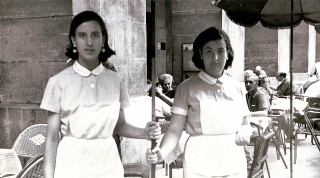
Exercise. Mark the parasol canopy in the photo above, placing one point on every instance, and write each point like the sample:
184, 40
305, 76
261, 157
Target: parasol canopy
274, 14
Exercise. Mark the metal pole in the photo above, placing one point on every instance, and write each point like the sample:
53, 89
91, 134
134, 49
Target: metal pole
291, 58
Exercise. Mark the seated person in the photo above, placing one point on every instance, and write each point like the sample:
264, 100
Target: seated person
258, 104
313, 93
283, 88
165, 80
314, 76
264, 82
162, 109
164, 88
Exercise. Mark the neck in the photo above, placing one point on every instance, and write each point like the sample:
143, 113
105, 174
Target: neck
214, 75
253, 92
90, 65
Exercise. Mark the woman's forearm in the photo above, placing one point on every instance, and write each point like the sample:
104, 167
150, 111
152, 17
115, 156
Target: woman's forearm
50, 153
51, 144
169, 142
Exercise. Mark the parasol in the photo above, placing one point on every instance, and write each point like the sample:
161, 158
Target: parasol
273, 14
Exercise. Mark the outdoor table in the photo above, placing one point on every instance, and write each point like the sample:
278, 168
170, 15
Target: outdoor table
264, 122
9, 163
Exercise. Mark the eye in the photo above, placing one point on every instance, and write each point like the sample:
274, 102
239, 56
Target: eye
81, 35
96, 35
208, 51
221, 51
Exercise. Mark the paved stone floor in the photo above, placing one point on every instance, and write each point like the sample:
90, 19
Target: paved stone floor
307, 165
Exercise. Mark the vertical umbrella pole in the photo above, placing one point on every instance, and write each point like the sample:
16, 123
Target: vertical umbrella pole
290, 119
153, 90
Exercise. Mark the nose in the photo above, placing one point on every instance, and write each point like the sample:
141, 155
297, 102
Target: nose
89, 41
215, 56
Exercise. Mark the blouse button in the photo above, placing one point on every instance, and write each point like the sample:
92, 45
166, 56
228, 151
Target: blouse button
92, 85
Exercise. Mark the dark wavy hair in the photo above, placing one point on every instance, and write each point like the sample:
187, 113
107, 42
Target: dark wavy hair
82, 17
203, 38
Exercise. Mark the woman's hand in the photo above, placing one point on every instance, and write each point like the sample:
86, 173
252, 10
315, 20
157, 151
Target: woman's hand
152, 131
243, 135
154, 156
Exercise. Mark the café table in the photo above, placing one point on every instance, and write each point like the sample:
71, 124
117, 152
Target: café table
10, 164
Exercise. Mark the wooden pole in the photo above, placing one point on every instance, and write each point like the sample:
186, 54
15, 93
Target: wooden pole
153, 90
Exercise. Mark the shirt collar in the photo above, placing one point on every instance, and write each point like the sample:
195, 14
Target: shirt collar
210, 80
79, 69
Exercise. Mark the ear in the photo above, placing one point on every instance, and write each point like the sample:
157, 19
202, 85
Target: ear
73, 40
103, 39
200, 53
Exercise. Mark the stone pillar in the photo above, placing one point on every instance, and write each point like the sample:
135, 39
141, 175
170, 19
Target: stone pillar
236, 34
126, 26
311, 48
284, 50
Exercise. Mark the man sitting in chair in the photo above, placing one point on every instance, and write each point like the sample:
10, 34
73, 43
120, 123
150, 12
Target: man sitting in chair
283, 88
258, 104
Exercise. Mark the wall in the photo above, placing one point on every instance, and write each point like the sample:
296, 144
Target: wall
261, 48
33, 38
32, 42
189, 18
126, 25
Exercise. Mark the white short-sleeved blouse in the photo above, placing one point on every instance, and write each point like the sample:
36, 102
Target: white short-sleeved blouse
76, 88
215, 109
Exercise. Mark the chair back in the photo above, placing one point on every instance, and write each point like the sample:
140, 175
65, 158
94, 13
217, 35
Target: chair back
164, 125
260, 154
34, 169
30, 142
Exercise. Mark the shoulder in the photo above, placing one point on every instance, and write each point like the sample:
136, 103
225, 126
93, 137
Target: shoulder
62, 74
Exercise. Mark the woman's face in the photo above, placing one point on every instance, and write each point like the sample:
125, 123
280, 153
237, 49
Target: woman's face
89, 40
214, 55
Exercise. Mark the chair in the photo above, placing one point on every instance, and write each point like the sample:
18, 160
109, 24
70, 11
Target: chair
34, 169
28, 145
260, 156
276, 125
178, 163
311, 115
30, 142
136, 170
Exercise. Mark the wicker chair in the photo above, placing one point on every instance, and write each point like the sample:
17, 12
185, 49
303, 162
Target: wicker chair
260, 154
30, 142
28, 145
34, 169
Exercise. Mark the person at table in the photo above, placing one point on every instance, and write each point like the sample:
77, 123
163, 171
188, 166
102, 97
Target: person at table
313, 93
264, 82
164, 90
202, 106
314, 76
283, 88
162, 109
258, 104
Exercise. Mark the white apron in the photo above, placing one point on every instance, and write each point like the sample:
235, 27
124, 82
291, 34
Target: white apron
215, 153
88, 150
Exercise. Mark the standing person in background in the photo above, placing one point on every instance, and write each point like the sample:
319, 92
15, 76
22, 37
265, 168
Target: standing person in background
201, 107
86, 105
258, 104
